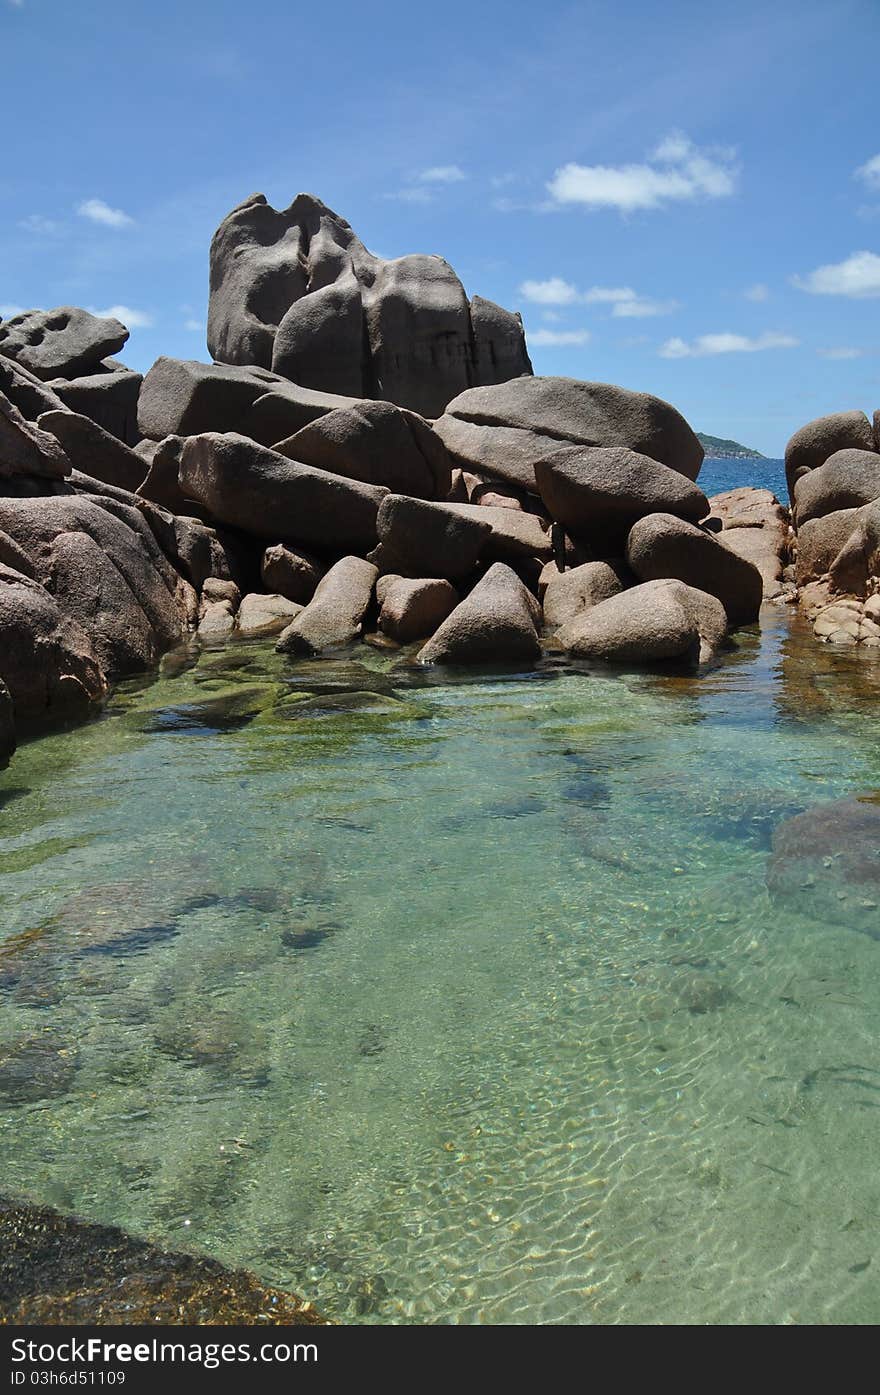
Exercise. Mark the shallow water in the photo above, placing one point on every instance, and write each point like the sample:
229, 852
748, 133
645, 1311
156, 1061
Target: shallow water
456, 1002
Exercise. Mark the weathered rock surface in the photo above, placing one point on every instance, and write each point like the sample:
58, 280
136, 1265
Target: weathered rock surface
26, 391
414, 608
261, 614
296, 291
662, 546
505, 430
496, 623
378, 443
567, 594
47, 661
290, 573
104, 568
25, 449
514, 533
417, 538
820, 540
847, 480
109, 397
659, 621
93, 450
811, 445
857, 563
7, 724
182, 397
161, 482
335, 614
216, 622
253, 488
597, 493
755, 526
60, 343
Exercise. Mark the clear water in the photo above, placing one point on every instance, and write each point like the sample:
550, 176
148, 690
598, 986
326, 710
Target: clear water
457, 1002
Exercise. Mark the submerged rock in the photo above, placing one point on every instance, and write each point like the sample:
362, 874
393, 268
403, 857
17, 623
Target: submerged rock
825, 863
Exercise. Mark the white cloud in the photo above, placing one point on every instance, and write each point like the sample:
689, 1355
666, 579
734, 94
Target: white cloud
708, 345
7, 312
195, 326
857, 277
676, 171
557, 338
554, 291
758, 293
36, 223
642, 308
442, 174
132, 319
869, 173
841, 353
97, 211
416, 195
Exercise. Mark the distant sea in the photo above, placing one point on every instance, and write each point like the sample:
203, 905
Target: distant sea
718, 475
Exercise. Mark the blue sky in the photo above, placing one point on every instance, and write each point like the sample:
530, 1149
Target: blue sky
681, 198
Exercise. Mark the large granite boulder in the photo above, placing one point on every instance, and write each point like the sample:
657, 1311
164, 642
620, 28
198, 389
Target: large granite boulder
414, 608
756, 527
291, 573
505, 430
93, 450
295, 290
662, 546
47, 661
109, 396
811, 445
417, 538
820, 540
260, 615
858, 560
334, 615
26, 449
26, 391
657, 622
496, 623
567, 594
515, 534
825, 864
847, 480
182, 397
260, 492
161, 481
104, 568
60, 343
597, 493
378, 443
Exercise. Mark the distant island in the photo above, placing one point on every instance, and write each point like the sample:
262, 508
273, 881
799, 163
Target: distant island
727, 450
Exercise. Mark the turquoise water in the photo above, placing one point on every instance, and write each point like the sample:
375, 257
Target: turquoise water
458, 1002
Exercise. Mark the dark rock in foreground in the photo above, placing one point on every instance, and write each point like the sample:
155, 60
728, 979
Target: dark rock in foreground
58, 1270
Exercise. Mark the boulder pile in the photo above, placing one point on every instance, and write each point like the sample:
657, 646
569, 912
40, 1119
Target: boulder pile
368, 456
833, 470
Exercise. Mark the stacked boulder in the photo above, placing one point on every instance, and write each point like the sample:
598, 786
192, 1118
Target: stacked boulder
370, 457
833, 471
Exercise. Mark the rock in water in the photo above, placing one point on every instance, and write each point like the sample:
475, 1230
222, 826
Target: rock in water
568, 594
496, 623
60, 343
655, 622
505, 430
598, 493
252, 488
662, 546
335, 613
47, 661
295, 290
826, 864
413, 609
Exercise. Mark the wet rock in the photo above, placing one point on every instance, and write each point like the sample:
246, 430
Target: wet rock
252, 488
36, 1068
217, 622
663, 546
378, 443
496, 623
57, 1269
417, 538
825, 863
60, 343
659, 621
335, 614
505, 430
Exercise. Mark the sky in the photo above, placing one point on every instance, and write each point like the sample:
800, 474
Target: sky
680, 198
